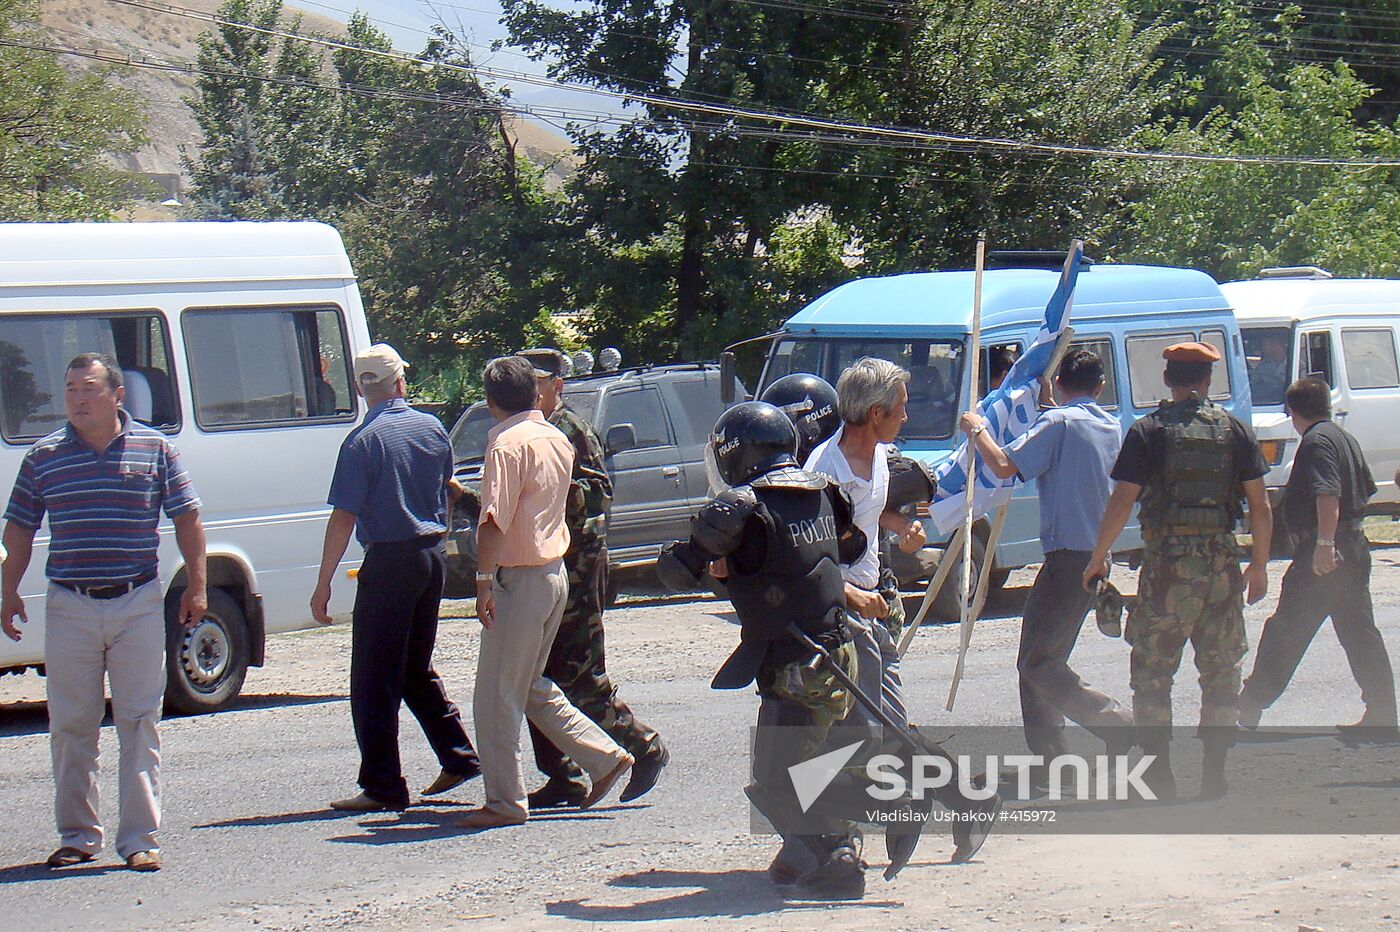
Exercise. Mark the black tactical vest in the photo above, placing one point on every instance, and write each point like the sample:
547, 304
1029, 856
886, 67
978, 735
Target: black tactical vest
1196, 488
800, 580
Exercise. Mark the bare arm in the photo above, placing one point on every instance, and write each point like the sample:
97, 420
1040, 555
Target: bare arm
189, 537
19, 541
1261, 531
1329, 514
1115, 518
338, 530
995, 457
489, 538
911, 532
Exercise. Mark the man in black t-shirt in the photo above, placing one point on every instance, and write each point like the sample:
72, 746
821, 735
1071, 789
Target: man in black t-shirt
1323, 504
1190, 463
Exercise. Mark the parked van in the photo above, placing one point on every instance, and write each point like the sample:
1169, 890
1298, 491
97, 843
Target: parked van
1127, 314
654, 422
236, 340
1301, 322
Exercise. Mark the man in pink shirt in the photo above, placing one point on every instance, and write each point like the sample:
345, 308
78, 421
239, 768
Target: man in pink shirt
521, 587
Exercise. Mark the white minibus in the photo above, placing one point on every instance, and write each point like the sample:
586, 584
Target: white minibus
236, 340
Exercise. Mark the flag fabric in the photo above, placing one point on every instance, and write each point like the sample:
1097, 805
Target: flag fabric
1009, 409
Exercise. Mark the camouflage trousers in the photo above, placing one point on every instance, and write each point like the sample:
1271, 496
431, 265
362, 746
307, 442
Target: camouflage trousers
1190, 588
577, 664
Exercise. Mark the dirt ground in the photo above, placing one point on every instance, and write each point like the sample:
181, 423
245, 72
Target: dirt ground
686, 857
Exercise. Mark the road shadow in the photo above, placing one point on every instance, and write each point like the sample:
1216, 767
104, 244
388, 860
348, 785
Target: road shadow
32, 718
735, 894
27, 873
425, 824
323, 814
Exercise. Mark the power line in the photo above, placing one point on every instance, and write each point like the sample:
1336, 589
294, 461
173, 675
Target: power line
841, 130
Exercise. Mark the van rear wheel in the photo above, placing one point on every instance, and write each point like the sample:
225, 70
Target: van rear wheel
205, 664
947, 605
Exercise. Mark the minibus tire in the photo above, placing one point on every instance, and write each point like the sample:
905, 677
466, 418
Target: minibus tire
205, 665
947, 606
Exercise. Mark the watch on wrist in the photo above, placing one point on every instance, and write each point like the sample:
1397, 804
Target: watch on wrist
485, 577
978, 429
1326, 543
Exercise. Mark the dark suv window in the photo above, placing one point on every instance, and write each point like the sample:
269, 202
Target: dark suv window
701, 404
642, 409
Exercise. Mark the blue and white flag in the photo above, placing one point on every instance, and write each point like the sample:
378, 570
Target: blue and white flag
1009, 409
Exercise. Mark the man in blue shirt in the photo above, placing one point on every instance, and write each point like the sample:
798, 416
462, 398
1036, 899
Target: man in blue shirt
1070, 451
391, 487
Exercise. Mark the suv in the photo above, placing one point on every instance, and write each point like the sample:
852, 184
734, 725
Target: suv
654, 423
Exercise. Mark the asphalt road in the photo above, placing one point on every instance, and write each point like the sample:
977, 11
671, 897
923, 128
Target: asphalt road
249, 843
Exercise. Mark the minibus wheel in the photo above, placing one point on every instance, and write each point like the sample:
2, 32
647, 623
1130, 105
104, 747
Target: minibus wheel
205, 664
947, 605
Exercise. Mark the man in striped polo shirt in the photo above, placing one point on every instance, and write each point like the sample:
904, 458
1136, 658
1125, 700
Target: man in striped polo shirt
103, 480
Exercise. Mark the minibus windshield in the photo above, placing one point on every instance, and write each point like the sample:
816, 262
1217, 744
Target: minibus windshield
1267, 351
935, 374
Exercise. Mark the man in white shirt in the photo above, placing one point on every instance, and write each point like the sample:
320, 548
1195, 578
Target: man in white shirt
871, 398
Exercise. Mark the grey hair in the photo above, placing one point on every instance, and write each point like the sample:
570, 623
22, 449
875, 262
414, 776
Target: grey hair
870, 382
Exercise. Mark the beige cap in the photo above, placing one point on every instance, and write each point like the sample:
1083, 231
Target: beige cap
381, 361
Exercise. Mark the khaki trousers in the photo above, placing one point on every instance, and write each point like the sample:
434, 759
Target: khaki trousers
125, 639
511, 686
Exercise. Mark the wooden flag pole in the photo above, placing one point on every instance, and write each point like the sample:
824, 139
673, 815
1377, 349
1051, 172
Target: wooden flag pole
935, 586
974, 374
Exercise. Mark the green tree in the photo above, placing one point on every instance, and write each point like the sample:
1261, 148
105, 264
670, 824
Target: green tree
56, 129
1233, 219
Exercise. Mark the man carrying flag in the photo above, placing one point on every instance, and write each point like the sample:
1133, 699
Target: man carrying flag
1069, 451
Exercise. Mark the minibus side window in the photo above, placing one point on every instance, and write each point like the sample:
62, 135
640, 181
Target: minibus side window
997, 358
35, 350
1315, 358
261, 367
1145, 366
1369, 356
1220, 373
1101, 347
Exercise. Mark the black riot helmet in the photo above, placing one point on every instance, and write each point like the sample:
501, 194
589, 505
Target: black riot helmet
748, 440
811, 403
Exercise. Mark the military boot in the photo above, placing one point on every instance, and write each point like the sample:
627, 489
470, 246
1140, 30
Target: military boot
840, 877
1213, 782
1158, 776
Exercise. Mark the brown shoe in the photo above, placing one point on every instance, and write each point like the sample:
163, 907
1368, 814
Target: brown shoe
605, 783
363, 802
144, 861
67, 856
483, 818
447, 780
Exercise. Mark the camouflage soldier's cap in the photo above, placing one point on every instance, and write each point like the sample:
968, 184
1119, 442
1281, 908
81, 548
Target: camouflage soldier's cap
1108, 607
1191, 352
548, 363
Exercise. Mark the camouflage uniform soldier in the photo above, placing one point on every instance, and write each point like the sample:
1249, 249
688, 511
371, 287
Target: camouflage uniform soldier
1191, 462
576, 660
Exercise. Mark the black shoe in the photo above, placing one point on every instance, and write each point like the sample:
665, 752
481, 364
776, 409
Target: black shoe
1371, 727
841, 877
1158, 776
559, 794
447, 780
781, 872
970, 836
645, 772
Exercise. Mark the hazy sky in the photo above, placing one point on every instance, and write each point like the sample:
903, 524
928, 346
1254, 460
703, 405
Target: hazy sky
407, 22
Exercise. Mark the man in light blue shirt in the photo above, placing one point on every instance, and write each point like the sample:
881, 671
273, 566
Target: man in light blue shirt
1069, 451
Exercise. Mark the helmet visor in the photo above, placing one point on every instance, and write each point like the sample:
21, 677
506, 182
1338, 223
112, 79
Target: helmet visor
712, 473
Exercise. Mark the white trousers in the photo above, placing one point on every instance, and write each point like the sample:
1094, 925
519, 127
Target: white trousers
123, 638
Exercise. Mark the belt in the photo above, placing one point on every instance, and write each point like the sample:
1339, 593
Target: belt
107, 590
1182, 530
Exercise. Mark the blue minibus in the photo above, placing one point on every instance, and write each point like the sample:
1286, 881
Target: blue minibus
1126, 313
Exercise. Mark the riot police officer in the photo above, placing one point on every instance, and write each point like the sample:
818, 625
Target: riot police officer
1190, 462
782, 533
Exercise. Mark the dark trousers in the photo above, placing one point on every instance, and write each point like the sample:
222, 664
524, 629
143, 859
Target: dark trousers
1050, 690
391, 662
1304, 601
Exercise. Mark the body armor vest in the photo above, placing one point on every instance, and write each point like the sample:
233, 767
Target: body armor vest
800, 580
1196, 488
